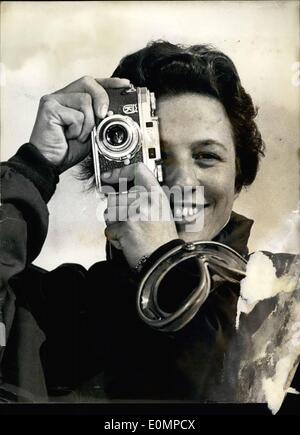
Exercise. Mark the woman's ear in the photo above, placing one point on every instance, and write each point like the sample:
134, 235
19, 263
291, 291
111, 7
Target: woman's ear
237, 192
237, 189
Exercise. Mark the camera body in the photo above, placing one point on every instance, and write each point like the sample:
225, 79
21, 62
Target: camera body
130, 135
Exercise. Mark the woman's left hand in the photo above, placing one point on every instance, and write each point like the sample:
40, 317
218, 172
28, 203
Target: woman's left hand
141, 221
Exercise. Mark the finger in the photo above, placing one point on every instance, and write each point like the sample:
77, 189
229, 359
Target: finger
89, 85
82, 102
137, 172
111, 234
71, 118
136, 209
116, 244
115, 215
114, 82
123, 199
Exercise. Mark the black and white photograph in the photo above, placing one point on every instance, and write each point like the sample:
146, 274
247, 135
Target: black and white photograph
150, 204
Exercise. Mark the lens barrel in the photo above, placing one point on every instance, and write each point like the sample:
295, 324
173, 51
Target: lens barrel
118, 138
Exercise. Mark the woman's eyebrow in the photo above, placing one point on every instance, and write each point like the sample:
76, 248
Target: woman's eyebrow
208, 142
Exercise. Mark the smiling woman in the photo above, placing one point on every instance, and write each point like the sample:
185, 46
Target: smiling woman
207, 130
196, 136
157, 319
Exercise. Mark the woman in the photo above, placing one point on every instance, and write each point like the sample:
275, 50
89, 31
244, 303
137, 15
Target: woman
84, 323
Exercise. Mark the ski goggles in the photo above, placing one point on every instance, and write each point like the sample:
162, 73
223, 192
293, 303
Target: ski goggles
218, 263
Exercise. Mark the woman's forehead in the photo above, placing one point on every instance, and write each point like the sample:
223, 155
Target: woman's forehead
193, 118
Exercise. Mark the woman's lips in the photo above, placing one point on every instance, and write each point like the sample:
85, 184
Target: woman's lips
188, 213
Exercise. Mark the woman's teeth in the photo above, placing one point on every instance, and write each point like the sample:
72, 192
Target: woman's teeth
186, 211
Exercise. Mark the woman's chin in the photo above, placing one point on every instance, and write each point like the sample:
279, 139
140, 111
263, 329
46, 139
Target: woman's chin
192, 236
196, 231
190, 232
192, 227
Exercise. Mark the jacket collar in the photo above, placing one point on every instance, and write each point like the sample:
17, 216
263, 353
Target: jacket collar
236, 233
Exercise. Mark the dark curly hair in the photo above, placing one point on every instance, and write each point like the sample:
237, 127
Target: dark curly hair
168, 69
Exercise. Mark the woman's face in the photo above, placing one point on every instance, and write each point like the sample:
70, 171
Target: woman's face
198, 150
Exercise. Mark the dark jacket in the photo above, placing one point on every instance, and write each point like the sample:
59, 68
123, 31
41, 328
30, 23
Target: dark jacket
75, 332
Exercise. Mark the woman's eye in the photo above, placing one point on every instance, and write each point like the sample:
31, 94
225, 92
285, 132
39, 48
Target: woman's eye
206, 158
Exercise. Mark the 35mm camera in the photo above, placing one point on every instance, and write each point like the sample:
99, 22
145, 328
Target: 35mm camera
130, 135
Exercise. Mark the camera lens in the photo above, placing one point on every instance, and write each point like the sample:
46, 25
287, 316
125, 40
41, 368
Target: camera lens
116, 135
118, 138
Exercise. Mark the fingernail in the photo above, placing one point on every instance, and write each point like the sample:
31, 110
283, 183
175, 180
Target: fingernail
103, 111
106, 174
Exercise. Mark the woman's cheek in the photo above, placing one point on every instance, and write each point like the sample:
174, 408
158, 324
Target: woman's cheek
219, 192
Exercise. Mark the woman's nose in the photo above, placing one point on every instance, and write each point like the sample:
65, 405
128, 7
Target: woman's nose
181, 175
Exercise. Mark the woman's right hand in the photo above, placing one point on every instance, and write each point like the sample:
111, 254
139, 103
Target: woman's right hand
66, 118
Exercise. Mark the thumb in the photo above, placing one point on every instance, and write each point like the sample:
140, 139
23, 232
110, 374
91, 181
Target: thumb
139, 173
